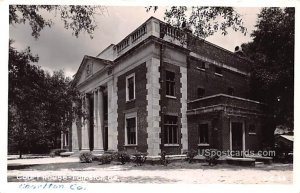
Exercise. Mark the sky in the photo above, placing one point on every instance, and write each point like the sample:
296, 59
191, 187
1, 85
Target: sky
58, 49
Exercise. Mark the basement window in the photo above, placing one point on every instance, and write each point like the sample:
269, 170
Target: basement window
170, 130
170, 83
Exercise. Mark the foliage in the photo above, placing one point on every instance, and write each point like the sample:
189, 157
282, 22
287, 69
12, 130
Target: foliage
190, 155
123, 157
272, 51
56, 152
163, 160
39, 105
24, 98
86, 157
211, 156
75, 17
139, 158
203, 21
105, 158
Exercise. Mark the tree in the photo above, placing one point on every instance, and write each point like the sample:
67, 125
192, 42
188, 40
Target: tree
272, 51
75, 17
24, 97
58, 105
203, 21
40, 104
33, 117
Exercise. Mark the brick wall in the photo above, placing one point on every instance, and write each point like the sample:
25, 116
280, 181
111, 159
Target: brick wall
172, 106
214, 84
214, 130
139, 105
218, 54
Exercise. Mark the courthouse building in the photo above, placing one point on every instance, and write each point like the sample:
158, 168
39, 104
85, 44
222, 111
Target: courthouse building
163, 89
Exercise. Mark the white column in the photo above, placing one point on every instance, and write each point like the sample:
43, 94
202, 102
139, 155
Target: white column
62, 140
95, 114
75, 124
85, 125
98, 129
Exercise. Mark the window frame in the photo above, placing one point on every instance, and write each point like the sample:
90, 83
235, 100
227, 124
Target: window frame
131, 116
172, 126
127, 89
173, 83
199, 136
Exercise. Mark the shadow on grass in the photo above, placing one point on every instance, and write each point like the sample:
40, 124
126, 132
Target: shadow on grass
20, 167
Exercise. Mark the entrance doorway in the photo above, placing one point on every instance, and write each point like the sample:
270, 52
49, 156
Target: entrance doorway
237, 132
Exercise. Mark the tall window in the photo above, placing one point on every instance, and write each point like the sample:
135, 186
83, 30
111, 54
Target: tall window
131, 131
170, 83
200, 92
130, 87
203, 133
171, 130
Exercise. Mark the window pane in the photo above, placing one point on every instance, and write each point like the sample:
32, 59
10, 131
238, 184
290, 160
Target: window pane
130, 83
174, 134
170, 83
131, 131
170, 128
170, 76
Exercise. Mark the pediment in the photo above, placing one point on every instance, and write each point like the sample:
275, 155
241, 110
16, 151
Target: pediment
89, 66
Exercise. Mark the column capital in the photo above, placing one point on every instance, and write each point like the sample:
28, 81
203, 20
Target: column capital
95, 90
101, 88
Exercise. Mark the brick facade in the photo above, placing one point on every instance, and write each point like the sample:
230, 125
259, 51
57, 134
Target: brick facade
212, 83
171, 106
138, 105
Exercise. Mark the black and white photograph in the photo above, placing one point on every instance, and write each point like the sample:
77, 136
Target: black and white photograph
122, 94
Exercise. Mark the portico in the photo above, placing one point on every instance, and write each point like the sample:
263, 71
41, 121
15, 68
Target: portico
93, 121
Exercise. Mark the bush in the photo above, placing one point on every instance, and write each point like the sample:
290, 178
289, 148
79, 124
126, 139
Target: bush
105, 158
139, 158
56, 152
123, 157
190, 155
163, 160
86, 157
212, 157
